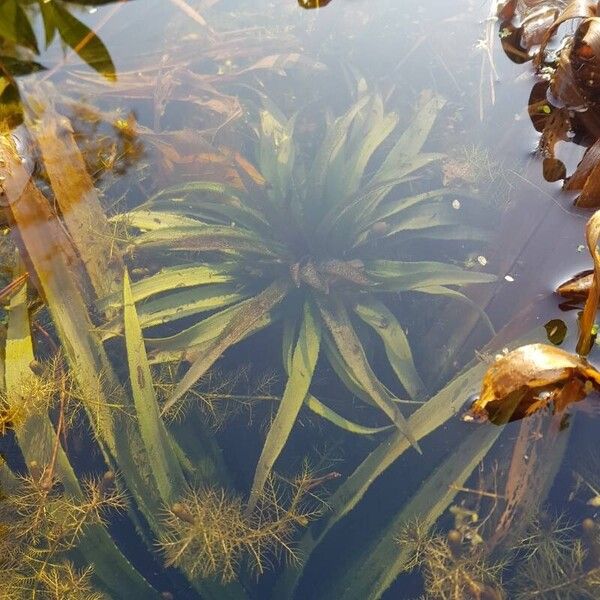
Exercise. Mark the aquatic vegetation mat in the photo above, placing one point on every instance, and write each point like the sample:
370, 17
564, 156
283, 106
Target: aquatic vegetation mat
172, 222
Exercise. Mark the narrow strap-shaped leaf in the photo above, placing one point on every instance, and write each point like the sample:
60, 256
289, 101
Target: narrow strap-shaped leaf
387, 210
318, 408
15, 26
171, 348
149, 220
48, 19
363, 202
190, 343
182, 190
378, 132
412, 140
290, 326
426, 419
171, 278
382, 320
304, 361
377, 564
36, 438
78, 201
241, 323
290, 329
401, 276
277, 153
206, 238
440, 290
338, 322
209, 209
178, 305
333, 143
341, 370
425, 216
164, 464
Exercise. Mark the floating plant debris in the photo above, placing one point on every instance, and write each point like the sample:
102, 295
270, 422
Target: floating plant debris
556, 330
530, 379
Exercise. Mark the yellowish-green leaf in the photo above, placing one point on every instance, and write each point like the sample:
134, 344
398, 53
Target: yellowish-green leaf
165, 466
251, 311
348, 344
382, 320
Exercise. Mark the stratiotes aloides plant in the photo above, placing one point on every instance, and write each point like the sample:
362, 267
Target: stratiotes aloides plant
317, 245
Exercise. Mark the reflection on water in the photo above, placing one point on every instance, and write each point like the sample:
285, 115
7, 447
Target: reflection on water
257, 259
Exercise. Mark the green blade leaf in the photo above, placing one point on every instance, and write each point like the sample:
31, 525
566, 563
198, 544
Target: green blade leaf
382, 320
173, 278
178, 305
317, 407
348, 344
173, 348
165, 466
378, 129
149, 220
303, 363
17, 67
207, 238
236, 329
328, 152
390, 209
343, 372
290, 326
401, 276
411, 142
440, 290
83, 41
48, 19
15, 26
429, 417
277, 152
378, 564
36, 438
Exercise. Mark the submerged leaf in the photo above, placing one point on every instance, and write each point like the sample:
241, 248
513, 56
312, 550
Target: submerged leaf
531, 378
236, 329
375, 565
397, 348
165, 466
302, 367
351, 351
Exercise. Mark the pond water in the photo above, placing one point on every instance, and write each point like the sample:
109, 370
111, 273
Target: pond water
258, 256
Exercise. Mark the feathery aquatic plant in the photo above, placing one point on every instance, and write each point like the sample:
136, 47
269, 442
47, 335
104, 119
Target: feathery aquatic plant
210, 533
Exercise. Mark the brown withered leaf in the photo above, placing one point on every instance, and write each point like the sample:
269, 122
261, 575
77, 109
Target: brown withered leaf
78, 201
587, 178
578, 287
588, 317
313, 3
531, 378
577, 9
